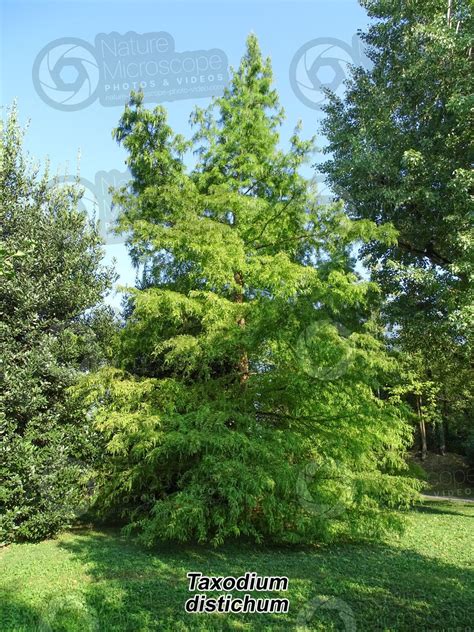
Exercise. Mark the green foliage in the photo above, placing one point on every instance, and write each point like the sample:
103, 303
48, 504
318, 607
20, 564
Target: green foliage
248, 351
53, 327
401, 156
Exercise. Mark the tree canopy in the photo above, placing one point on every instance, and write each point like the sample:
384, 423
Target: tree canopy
400, 154
248, 393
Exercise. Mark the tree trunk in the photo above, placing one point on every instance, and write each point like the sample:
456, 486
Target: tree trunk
442, 439
424, 447
442, 433
449, 12
243, 364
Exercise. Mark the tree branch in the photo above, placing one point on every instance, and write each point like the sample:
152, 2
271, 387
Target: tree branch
429, 252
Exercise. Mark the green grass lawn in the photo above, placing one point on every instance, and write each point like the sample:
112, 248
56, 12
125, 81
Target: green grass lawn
97, 580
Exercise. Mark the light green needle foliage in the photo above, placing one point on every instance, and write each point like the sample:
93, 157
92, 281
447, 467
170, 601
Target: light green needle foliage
248, 395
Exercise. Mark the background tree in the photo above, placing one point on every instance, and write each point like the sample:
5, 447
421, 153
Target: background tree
244, 397
53, 327
401, 154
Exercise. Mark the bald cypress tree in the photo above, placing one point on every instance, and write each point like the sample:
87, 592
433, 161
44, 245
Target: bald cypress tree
244, 397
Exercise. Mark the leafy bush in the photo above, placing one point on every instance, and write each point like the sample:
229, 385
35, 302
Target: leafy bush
53, 327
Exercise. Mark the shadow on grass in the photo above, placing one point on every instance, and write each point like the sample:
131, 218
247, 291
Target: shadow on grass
374, 587
442, 507
62, 612
16, 614
385, 588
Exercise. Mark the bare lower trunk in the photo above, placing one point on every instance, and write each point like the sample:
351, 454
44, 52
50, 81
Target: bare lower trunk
449, 12
424, 447
442, 439
442, 428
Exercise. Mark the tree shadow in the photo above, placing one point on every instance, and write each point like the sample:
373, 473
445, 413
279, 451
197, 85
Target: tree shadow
454, 509
384, 587
133, 589
59, 612
15, 614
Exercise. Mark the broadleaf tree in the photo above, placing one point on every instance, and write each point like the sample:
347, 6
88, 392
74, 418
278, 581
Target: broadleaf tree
400, 154
54, 326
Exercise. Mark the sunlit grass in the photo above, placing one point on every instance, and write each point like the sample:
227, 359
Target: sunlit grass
99, 580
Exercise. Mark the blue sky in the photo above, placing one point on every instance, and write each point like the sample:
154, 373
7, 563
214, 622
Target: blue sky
283, 28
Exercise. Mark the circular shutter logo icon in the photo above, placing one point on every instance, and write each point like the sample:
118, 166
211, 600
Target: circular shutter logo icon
66, 74
318, 65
